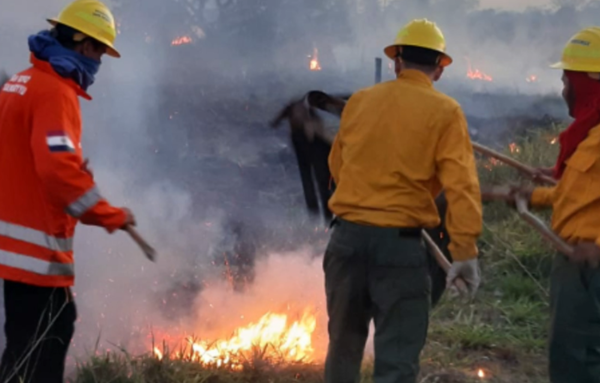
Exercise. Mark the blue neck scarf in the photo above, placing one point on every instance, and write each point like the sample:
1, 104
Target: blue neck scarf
65, 62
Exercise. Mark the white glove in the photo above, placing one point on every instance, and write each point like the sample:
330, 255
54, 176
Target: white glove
468, 271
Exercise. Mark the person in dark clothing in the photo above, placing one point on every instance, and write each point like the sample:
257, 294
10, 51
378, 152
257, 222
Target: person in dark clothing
312, 147
312, 163
41, 323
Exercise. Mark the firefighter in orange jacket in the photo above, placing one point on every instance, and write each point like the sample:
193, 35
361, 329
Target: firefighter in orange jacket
46, 188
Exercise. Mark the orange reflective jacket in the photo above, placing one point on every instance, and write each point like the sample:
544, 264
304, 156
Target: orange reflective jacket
44, 188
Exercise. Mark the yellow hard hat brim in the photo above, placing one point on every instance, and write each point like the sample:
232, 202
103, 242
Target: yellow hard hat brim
110, 49
392, 50
593, 68
558, 65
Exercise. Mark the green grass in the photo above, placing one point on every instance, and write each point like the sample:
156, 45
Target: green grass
503, 331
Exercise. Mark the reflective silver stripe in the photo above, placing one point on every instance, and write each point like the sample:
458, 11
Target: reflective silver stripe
34, 265
35, 237
84, 203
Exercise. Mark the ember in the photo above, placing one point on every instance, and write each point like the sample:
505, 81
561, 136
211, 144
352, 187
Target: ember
532, 78
272, 336
481, 373
553, 141
314, 62
492, 163
514, 148
181, 40
477, 74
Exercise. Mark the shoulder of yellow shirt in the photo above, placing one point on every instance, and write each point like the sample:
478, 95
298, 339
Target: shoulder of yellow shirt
441, 100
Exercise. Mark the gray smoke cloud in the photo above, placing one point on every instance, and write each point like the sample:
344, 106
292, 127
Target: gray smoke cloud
178, 134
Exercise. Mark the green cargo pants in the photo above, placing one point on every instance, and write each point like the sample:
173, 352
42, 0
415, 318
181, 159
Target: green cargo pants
380, 274
575, 331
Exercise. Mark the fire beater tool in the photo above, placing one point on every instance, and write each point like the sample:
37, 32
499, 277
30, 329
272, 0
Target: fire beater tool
540, 226
498, 192
528, 170
146, 248
440, 258
522, 203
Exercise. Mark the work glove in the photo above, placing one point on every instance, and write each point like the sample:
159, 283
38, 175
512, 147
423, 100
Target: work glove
586, 253
468, 271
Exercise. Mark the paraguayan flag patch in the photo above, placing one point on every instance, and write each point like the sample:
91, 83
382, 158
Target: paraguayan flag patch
59, 141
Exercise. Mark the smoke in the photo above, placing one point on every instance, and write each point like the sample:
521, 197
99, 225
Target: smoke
179, 134
288, 283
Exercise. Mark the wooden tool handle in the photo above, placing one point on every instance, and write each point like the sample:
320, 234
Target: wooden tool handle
531, 172
146, 248
441, 259
494, 192
540, 226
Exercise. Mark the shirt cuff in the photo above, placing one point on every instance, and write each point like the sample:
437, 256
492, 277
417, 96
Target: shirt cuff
541, 196
463, 253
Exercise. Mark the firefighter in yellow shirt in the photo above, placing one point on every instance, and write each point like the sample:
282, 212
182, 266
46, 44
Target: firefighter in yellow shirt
399, 144
575, 280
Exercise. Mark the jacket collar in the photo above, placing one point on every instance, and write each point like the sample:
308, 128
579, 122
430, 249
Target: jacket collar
45, 66
415, 76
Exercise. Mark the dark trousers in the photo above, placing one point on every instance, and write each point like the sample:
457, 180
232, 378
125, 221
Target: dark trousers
378, 274
313, 164
40, 322
575, 329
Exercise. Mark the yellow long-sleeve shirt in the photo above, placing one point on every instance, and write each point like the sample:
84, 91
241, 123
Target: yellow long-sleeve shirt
576, 198
398, 144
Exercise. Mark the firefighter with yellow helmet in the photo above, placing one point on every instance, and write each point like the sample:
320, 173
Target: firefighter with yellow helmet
399, 144
47, 188
575, 201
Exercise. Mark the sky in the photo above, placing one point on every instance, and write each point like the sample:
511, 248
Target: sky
514, 4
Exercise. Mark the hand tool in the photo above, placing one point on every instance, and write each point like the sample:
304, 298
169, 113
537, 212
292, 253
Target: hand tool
528, 170
443, 262
146, 248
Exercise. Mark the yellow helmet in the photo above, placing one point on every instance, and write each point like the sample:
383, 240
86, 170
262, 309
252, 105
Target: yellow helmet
582, 52
92, 18
420, 33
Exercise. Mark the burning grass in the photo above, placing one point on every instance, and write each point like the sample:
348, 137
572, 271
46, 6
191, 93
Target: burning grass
273, 338
501, 337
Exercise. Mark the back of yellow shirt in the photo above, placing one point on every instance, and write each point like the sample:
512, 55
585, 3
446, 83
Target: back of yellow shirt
576, 198
399, 143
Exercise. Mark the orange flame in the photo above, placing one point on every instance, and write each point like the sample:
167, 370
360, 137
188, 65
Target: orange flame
481, 373
158, 353
532, 78
477, 74
314, 62
181, 40
272, 335
492, 163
